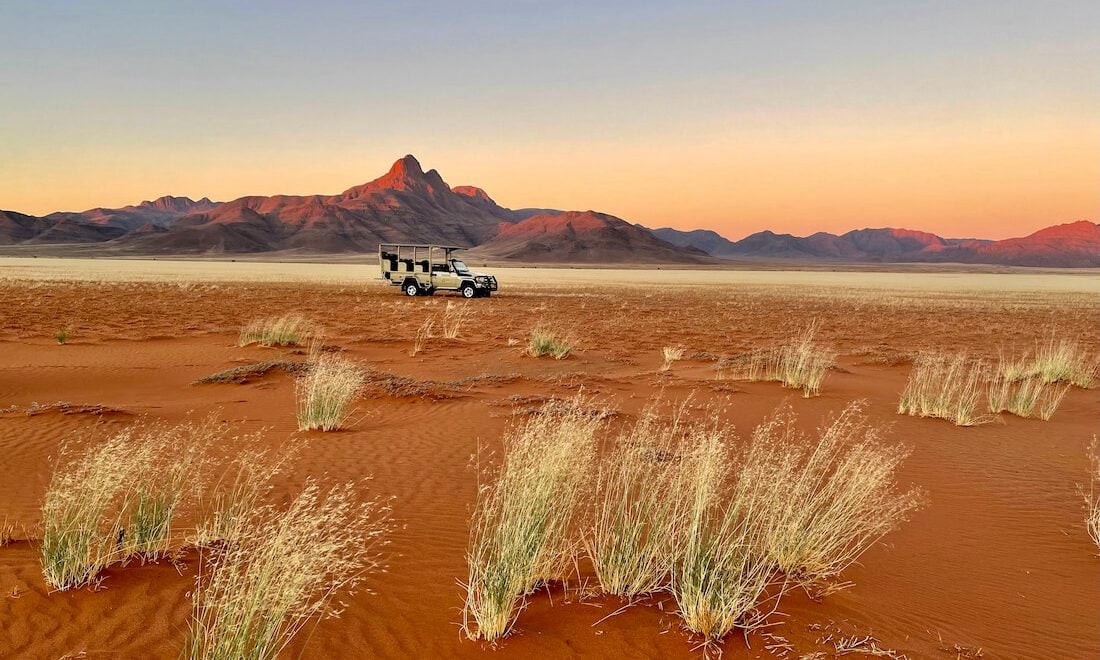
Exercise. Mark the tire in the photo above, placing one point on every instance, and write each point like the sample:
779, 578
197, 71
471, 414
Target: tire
468, 291
412, 289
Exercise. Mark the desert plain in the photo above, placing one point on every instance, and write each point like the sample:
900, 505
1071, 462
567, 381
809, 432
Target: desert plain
996, 563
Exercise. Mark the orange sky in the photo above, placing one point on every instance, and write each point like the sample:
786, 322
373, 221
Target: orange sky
976, 121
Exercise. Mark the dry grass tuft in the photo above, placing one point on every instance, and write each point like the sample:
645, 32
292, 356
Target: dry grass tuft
820, 506
240, 487
1059, 360
544, 341
520, 529
111, 501
801, 363
671, 354
1092, 499
1027, 397
285, 330
638, 507
719, 574
454, 316
282, 569
325, 393
423, 334
945, 386
1063, 361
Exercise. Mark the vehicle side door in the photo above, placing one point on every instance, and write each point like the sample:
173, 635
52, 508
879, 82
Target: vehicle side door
444, 277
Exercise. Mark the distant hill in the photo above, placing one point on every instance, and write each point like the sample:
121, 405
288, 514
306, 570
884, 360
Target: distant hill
584, 236
1075, 244
706, 240
409, 205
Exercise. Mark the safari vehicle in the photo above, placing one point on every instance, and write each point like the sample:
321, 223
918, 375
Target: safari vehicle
421, 270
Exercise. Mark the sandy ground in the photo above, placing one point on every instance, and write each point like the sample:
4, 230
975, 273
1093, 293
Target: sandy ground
999, 559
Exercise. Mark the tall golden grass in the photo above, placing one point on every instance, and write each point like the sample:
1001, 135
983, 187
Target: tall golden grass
110, 501
1062, 360
1025, 397
172, 476
639, 507
820, 505
673, 509
945, 386
453, 318
521, 528
239, 488
423, 334
719, 572
1057, 360
286, 330
325, 393
1092, 499
282, 569
801, 363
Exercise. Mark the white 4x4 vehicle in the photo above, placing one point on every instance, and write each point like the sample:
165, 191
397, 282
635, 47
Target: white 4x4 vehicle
421, 270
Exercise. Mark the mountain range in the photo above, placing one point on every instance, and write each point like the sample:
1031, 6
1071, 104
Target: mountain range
1071, 245
409, 205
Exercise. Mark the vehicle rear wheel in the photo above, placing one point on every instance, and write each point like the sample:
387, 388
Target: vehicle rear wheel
412, 289
468, 291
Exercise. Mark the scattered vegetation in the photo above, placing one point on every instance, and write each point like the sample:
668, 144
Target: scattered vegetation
243, 373
945, 386
520, 529
325, 393
67, 408
820, 505
546, 342
116, 499
281, 570
62, 336
801, 363
286, 330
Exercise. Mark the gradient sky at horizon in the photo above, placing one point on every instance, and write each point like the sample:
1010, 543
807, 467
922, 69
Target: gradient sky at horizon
961, 118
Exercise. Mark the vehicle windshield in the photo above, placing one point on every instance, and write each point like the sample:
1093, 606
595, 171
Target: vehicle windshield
460, 267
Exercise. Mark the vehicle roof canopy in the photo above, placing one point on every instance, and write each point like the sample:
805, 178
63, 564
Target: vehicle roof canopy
420, 246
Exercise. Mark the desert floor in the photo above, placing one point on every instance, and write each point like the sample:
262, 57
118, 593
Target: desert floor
998, 559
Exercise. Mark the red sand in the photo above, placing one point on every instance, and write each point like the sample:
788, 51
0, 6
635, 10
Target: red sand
998, 560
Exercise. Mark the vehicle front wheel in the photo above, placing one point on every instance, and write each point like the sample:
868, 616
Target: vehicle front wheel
468, 291
412, 290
